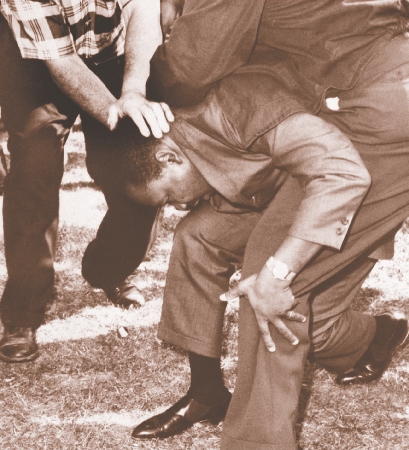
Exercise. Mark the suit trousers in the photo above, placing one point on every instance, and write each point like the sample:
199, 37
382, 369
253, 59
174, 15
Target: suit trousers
38, 117
374, 115
208, 244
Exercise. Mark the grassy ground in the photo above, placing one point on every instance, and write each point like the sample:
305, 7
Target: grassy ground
90, 387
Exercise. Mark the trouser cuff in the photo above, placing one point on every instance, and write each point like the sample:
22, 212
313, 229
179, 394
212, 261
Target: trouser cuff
190, 344
26, 319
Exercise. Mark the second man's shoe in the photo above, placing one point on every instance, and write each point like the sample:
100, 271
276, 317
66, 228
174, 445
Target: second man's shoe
392, 331
126, 295
18, 344
180, 417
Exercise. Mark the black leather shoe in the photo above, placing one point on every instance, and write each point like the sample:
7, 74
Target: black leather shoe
126, 296
180, 417
392, 332
18, 344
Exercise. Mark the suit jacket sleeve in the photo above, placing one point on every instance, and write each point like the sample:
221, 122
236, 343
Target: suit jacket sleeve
328, 169
210, 40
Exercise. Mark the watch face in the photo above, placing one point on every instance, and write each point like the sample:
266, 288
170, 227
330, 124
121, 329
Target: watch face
280, 270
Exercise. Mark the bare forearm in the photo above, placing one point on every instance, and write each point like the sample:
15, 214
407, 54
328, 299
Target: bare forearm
143, 36
82, 86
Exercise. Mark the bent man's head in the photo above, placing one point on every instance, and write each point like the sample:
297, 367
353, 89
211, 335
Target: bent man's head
150, 171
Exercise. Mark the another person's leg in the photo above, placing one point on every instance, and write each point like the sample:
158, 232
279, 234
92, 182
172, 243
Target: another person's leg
377, 126
339, 336
373, 114
268, 385
264, 405
38, 118
124, 235
119, 247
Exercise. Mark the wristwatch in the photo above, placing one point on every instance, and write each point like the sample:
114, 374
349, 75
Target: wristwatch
280, 270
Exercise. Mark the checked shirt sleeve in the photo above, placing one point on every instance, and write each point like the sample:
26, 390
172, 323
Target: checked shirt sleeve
39, 27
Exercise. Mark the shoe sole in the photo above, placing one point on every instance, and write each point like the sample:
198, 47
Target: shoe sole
214, 419
162, 438
20, 360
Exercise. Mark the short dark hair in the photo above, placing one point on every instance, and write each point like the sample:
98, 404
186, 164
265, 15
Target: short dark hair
121, 156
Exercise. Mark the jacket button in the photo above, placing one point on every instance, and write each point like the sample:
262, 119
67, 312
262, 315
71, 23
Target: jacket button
340, 231
344, 221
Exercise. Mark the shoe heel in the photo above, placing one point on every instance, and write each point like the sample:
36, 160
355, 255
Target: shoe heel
218, 415
216, 419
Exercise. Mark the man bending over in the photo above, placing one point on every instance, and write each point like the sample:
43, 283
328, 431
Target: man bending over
226, 153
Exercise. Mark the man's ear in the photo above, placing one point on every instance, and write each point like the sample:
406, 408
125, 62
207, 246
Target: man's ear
166, 155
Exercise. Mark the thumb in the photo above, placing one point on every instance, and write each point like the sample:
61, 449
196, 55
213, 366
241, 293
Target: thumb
240, 289
113, 117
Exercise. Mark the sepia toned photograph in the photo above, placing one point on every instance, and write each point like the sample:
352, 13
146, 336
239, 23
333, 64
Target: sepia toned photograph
204, 241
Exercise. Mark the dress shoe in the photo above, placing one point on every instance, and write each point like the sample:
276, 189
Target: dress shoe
180, 417
392, 331
18, 344
126, 295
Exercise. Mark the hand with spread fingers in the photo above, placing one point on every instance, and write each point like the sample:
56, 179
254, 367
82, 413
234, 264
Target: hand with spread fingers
148, 116
272, 302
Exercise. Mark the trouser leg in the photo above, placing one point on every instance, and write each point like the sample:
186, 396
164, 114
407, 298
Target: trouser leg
265, 402
207, 245
263, 410
38, 119
382, 139
264, 406
30, 212
120, 244
124, 234
339, 334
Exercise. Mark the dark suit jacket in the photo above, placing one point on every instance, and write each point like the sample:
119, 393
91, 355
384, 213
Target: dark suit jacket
327, 42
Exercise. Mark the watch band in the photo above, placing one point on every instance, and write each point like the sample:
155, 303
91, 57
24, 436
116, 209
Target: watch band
280, 270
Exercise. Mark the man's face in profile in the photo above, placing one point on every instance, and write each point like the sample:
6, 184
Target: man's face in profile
179, 182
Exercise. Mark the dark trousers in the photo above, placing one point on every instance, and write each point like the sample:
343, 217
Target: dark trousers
374, 115
38, 117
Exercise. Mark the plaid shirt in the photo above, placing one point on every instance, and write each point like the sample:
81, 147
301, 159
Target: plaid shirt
51, 29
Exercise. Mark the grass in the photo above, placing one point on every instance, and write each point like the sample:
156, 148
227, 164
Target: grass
90, 387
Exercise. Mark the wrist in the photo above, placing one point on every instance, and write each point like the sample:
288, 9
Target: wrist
134, 85
139, 92
280, 270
